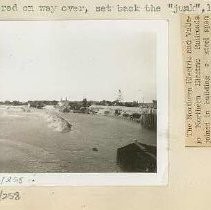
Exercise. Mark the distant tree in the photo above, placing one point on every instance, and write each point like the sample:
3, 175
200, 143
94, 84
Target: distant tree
131, 104
37, 104
7, 102
16, 103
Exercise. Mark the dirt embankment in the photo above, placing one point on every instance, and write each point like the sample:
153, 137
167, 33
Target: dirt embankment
57, 122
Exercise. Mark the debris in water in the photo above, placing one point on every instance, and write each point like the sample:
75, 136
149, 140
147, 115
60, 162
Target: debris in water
95, 149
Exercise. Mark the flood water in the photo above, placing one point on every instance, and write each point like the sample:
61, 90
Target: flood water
28, 144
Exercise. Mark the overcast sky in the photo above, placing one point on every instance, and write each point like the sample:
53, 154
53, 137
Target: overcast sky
76, 59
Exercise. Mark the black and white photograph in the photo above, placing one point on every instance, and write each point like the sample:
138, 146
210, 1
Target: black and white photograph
83, 96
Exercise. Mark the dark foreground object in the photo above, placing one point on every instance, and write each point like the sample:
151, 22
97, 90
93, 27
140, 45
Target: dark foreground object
137, 157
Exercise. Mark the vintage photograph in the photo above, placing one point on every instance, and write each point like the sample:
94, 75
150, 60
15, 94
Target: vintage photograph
78, 97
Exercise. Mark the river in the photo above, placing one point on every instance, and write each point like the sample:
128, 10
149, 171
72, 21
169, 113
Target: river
28, 144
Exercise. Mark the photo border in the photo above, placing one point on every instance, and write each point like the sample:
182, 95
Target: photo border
120, 179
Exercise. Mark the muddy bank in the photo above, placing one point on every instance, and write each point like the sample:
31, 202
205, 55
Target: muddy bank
57, 123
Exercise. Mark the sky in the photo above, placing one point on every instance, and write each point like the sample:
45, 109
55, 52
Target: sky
77, 59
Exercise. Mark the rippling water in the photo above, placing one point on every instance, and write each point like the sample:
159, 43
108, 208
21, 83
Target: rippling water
28, 144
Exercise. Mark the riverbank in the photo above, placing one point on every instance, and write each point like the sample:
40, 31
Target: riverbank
57, 122
147, 116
